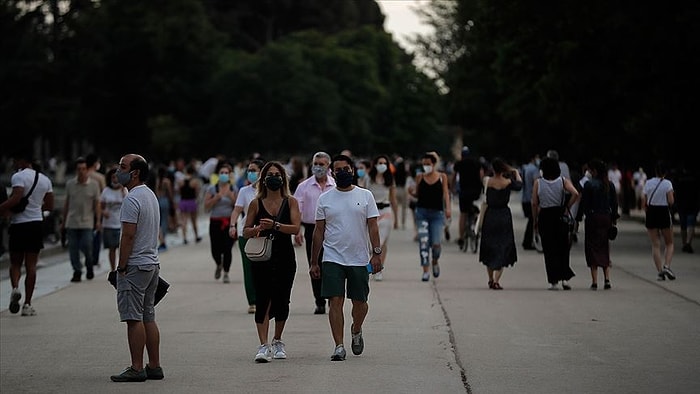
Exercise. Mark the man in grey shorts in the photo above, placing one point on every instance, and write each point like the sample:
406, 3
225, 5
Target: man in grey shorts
138, 270
346, 224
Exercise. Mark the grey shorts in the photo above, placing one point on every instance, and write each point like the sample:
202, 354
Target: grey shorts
110, 237
136, 291
334, 277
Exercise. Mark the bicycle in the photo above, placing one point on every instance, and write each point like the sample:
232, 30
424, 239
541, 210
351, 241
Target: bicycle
470, 240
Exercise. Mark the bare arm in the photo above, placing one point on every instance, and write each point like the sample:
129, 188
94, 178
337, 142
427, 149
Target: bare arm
126, 243
316, 244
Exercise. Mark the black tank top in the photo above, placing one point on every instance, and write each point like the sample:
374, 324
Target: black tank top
187, 192
430, 196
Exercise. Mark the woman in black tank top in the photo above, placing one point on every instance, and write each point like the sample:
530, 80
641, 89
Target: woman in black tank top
432, 208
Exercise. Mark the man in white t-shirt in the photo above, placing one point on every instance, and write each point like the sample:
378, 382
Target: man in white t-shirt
346, 228
26, 228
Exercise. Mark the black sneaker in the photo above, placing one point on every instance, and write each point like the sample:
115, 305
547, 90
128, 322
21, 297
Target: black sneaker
154, 373
607, 285
661, 276
76, 277
594, 286
669, 274
320, 310
130, 375
358, 344
90, 275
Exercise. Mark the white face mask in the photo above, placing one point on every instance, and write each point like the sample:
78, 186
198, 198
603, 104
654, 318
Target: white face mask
381, 168
427, 169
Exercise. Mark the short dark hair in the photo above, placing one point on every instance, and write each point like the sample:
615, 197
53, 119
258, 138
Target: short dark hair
139, 164
344, 158
550, 168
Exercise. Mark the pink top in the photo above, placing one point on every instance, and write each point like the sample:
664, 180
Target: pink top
307, 194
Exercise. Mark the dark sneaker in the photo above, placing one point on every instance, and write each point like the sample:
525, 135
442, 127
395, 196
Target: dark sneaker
14, 300
358, 344
154, 373
130, 375
436, 270
90, 275
669, 274
607, 285
661, 276
320, 310
76, 277
339, 353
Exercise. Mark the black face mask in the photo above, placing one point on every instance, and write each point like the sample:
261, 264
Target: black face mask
343, 179
273, 182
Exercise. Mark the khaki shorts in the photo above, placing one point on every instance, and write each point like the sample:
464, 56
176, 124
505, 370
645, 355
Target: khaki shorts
334, 277
136, 291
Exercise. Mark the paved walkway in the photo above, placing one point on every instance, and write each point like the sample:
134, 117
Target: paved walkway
449, 335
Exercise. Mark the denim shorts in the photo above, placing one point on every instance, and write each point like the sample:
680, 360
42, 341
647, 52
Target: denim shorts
110, 237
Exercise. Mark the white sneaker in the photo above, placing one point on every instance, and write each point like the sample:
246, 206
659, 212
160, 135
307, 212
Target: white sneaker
217, 272
378, 277
278, 350
553, 286
14, 300
28, 310
226, 279
339, 353
264, 354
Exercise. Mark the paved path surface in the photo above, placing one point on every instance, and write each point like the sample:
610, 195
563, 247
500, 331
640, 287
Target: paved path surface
449, 335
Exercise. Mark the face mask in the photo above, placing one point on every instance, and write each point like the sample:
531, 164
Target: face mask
318, 171
343, 179
381, 168
252, 176
427, 169
223, 178
360, 172
123, 177
273, 182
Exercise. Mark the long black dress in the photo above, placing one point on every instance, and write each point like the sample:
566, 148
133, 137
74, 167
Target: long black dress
497, 249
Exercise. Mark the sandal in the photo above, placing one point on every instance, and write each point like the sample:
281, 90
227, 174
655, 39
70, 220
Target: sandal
497, 286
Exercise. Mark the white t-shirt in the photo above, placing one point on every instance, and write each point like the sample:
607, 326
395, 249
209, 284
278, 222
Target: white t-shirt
346, 239
25, 179
245, 196
657, 197
112, 198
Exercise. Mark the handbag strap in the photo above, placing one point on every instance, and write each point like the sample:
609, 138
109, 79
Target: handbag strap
654, 191
563, 192
36, 179
279, 213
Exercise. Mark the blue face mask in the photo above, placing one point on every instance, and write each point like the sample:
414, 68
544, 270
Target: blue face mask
360, 172
318, 171
223, 178
252, 176
124, 177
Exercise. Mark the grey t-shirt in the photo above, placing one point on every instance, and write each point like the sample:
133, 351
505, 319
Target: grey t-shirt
141, 207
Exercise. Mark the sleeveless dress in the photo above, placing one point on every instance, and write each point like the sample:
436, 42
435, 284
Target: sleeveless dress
273, 279
497, 248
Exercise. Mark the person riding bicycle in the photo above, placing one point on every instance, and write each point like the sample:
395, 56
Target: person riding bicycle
468, 174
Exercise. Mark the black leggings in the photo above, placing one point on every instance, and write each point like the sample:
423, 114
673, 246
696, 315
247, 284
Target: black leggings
221, 243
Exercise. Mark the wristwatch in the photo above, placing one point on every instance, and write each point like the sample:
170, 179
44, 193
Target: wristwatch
377, 250
277, 226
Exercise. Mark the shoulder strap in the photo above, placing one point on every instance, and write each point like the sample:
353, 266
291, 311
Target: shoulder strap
36, 179
563, 192
654, 191
279, 213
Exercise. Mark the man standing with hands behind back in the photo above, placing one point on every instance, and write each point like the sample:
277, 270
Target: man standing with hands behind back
346, 228
138, 270
307, 194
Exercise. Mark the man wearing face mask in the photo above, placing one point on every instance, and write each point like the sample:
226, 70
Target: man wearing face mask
138, 270
307, 194
346, 226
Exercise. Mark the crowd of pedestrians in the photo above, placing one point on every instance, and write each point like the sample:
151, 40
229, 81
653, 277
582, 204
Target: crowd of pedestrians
342, 209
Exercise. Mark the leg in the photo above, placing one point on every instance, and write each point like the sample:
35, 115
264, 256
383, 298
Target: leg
247, 273
112, 258
423, 239
315, 283
655, 247
497, 276
16, 259
30, 260
594, 274
136, 333
359, 312
667, 234
152, 343
336, 318
263, 328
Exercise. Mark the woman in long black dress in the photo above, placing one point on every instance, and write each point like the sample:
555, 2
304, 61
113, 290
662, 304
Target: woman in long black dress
497, 249
549, 203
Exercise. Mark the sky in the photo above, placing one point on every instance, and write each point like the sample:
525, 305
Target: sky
400, 19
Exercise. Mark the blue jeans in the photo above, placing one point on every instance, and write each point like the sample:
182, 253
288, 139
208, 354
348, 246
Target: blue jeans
80, 240
431, 224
